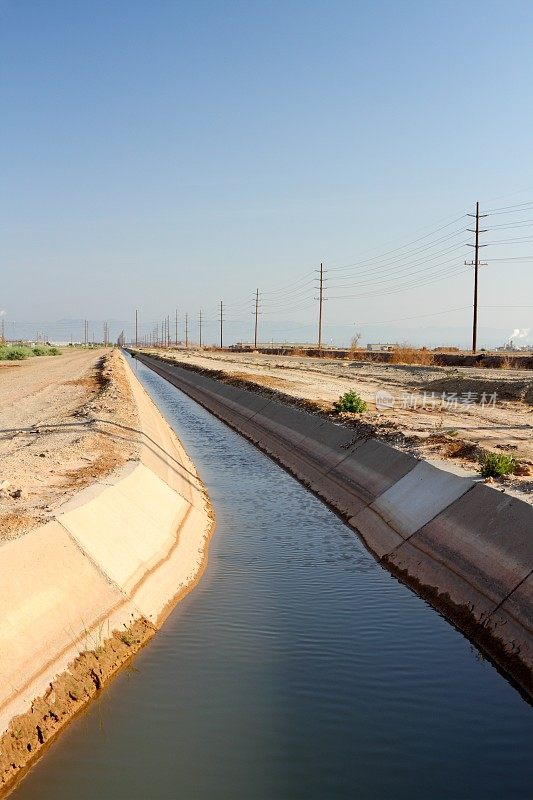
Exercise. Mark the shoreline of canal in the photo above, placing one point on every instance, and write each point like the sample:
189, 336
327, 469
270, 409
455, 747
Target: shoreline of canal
462, 546
79, 603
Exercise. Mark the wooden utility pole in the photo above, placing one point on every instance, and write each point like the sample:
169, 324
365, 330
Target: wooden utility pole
200, 321
256, 316
476, 264
136, 328
186, 330
320, 303
221, 320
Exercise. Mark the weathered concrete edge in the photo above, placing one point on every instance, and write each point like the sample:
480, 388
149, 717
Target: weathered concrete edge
476, 604
68, 582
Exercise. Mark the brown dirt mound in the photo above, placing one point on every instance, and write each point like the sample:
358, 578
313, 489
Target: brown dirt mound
518, 389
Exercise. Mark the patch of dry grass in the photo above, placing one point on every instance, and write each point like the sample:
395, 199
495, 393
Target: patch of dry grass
412, 355
508, 362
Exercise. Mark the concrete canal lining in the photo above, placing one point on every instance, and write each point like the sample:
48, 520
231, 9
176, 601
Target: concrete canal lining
80, 594
465, 547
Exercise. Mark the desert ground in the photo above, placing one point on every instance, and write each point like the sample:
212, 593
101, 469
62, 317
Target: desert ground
61, 421
440, 413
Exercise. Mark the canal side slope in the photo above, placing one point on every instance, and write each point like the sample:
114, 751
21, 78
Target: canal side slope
464, 546
83, 592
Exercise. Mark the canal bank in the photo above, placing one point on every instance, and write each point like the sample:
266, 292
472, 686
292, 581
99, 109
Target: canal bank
298, 669
465, 547
84, 592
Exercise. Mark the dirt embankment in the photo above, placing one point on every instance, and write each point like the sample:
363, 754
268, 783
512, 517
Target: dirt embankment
65, 421
29, 734
451, 414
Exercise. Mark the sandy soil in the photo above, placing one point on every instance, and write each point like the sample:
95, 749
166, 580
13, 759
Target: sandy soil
60, 429
419, 422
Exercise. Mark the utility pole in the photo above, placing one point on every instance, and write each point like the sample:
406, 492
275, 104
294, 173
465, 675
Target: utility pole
256, 316
136, 328
168, 331
476, 264
186, 330
320, 304
176, 337
221, 321
200, 320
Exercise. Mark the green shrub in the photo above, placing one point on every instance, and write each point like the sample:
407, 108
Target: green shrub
17, 353
45, 350
495, 465
352, 402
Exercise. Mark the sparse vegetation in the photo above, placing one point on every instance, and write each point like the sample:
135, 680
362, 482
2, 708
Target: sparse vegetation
350, 402
126, 638
412, 355
19, 352
508, 362
14, 352
497, 465
355, 351
46, 350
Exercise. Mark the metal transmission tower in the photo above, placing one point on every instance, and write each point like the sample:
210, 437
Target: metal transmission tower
256, 317
221, 323
200, 326
476, 263
320, 299
136, 328
186, 330
176, 331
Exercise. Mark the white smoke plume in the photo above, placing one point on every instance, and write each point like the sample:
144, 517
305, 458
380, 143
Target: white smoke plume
519, 333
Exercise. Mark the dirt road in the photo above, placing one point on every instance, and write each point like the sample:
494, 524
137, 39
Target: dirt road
55, 431
439, 412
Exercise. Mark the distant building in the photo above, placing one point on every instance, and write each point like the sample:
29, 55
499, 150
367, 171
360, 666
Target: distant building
380, 347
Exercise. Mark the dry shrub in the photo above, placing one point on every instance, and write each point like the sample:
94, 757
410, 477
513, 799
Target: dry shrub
355, 354
461, 449
412, 355
508, 362
354, 351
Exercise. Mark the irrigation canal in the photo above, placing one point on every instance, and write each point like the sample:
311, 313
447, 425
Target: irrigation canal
298, 668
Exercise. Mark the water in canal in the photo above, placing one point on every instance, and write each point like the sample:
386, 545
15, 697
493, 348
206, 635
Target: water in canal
298, 668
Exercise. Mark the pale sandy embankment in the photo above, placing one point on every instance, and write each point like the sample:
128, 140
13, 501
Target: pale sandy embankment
83, 592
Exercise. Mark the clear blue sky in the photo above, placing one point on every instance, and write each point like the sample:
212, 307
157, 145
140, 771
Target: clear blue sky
166, 155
